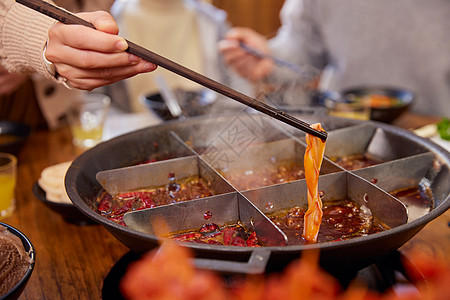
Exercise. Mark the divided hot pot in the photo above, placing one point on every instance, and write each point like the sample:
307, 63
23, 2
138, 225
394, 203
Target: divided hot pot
223, 151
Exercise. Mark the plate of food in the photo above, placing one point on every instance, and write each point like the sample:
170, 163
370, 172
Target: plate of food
50, 190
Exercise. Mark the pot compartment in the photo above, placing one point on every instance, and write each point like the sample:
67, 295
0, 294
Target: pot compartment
419, 175
213, 137
334, 187
265, 164
143, 146
192, 215
370, 141
135, 148
157, 184
158, 174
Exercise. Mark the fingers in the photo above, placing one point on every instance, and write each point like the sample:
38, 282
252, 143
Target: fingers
263, 69
90, 58
102, 21
246, 64
249, 37
241, 33
88, 79
80, 37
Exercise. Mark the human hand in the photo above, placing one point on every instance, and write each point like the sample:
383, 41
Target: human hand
90, 58
246, 64
9, 82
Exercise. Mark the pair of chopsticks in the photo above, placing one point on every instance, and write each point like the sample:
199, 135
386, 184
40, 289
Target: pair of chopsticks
68, 18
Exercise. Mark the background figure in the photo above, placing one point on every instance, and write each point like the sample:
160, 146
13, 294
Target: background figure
185, 31
403, 43
18, 100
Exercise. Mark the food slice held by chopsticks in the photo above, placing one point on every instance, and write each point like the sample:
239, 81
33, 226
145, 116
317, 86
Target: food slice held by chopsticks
312, 162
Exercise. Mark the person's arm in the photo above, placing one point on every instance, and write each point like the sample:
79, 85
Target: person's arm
85, 57
299, 40
247, 65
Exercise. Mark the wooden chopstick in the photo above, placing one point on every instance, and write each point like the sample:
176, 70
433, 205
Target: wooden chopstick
69, 18
281, 62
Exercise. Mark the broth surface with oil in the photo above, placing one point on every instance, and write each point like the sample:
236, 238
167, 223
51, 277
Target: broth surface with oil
114, 207
341, 220
418, 201
355, 162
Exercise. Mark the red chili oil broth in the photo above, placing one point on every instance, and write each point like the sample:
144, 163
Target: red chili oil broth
265, 176
418, 201
355, 162
213, 234
341, 220
186, 189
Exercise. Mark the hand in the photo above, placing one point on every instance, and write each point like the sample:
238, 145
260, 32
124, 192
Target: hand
9, 82
90, 58
245, 64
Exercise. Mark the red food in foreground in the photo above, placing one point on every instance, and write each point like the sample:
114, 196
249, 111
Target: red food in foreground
168, 273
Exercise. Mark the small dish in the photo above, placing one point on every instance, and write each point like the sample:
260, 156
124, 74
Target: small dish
17, 290
382, 104
13, 136
192, 103
68, 211
386, 103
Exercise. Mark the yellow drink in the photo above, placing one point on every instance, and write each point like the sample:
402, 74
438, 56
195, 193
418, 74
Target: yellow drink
7, 184
86, 117
87, 137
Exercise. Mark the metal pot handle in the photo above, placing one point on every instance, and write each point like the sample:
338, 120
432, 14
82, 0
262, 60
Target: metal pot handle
256, 264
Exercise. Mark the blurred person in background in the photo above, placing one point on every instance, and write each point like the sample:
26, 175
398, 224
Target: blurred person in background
184, 31
402, 43
30, 89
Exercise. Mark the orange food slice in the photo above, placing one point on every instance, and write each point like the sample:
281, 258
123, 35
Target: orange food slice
313, 161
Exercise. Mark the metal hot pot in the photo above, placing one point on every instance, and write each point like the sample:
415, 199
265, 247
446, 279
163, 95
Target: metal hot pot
208, 145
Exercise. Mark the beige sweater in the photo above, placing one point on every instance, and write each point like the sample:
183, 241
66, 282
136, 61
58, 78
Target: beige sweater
23, 36
22, 40
24, 33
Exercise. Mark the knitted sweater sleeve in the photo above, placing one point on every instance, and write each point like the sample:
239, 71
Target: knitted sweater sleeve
23, 37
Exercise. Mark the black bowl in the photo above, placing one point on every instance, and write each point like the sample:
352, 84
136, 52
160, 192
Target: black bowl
17, 290
69, 212
401, 99
192, 103
13, 136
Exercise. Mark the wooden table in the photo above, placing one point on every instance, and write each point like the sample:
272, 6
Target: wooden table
72, 260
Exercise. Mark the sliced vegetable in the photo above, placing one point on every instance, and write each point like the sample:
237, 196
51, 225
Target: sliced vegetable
444, 129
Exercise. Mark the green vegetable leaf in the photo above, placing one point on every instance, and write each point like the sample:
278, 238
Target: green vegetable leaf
444, 129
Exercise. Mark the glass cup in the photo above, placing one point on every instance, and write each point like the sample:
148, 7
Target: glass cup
8, 171
86, 116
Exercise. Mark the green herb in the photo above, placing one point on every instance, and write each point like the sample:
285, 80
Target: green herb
444, 129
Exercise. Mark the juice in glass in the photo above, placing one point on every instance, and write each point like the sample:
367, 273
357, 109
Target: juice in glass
8, 164
86, 117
